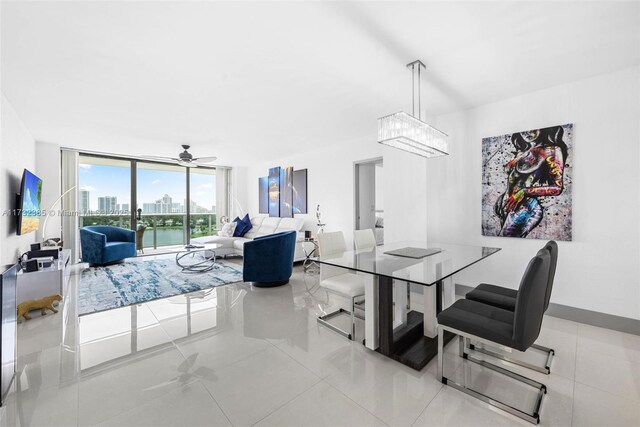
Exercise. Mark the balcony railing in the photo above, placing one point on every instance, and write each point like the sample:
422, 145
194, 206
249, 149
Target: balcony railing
160, 229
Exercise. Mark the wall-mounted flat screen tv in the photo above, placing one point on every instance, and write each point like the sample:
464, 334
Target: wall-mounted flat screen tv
29, 203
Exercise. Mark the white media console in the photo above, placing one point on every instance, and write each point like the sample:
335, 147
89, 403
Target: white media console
47, 281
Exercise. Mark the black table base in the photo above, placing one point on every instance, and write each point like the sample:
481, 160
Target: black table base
407, 345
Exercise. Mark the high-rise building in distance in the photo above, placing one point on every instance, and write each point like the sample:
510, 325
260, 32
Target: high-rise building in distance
84, 203
107, 204
149, 208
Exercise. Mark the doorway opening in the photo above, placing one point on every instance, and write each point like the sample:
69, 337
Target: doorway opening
369, 200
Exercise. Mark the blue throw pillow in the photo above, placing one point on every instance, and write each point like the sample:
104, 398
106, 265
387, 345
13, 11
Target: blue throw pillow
242, 226
236, 232
246, 222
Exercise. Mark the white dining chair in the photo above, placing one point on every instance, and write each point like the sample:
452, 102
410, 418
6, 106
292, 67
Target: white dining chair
364, 239
339, 281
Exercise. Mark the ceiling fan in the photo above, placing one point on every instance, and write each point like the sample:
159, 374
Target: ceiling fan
186, 159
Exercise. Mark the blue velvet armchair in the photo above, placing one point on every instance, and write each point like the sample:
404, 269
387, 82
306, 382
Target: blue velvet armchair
268, 260
104, 244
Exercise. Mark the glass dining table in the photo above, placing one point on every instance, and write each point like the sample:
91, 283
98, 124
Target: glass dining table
391, 327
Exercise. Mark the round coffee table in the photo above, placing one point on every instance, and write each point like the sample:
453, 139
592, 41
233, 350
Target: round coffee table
203, 256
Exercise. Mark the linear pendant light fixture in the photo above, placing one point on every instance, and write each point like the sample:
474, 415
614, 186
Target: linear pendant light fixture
407, 132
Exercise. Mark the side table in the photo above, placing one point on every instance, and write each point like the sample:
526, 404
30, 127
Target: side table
309, 265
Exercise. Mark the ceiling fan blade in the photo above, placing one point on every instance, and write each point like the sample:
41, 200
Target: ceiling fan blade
187, 164
173, 159
205, 159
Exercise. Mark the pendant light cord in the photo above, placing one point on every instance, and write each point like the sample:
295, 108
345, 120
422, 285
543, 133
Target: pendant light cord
413, 66
419, 104
413, 90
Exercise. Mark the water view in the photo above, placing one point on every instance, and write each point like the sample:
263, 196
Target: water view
160, 230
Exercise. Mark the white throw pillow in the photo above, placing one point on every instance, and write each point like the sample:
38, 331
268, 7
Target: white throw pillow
227, 230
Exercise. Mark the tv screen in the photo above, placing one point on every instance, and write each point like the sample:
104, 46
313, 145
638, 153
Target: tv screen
29, 203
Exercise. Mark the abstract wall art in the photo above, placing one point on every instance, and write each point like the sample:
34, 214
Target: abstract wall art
286, 192
300, 191
274, 191
283, 193
263, 195
527, 184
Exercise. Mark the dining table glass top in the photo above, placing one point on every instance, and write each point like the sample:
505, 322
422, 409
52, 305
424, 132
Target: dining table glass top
425, 271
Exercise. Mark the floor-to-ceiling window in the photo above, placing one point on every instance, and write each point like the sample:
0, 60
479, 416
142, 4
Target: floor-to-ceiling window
104, 194
167, 204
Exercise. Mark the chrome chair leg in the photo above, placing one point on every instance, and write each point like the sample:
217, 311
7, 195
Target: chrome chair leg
353, 318
550, 354
533, 417
323, 320
441, 377
546, 369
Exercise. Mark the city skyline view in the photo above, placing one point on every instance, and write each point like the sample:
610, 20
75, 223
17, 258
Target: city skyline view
154, 185
163, 205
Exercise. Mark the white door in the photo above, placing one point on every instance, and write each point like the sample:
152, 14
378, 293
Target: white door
366, 196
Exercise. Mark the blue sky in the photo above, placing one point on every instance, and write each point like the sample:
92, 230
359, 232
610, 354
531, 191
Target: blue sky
103, 180
30, 200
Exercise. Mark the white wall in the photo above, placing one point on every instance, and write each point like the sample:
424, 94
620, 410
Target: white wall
17, 149
330, 181
48, 169
405, 202
599, 270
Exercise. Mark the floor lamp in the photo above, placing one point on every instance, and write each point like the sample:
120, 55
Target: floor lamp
44, 224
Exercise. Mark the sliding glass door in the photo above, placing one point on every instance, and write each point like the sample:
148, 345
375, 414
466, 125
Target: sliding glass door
162, 196
171, 203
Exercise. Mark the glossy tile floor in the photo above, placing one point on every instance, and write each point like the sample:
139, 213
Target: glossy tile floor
237, 355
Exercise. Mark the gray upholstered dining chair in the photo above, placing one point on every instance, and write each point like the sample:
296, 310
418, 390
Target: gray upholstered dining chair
505, 298
518, 329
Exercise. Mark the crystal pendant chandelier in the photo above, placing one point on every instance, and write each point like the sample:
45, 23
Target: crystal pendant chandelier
407, 132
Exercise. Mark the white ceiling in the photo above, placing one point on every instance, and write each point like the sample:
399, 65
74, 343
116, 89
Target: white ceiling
247, 81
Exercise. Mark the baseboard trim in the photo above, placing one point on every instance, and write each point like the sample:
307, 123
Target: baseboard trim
580, 315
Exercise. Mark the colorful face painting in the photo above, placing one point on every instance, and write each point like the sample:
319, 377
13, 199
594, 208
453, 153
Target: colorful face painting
527, 184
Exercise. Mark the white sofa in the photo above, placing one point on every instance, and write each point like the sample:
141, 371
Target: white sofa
262, 226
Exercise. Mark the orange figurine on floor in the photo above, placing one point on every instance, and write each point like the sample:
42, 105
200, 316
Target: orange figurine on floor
42, 304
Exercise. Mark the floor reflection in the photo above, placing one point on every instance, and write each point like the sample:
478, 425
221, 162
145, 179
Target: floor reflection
272, 313
112, 335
